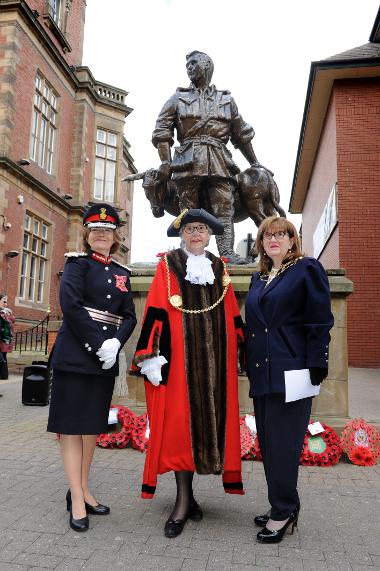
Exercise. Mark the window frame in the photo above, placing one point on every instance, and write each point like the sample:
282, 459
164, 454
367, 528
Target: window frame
43, 132
105, 163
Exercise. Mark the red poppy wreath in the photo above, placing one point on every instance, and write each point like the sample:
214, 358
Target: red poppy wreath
361, 442
126, 419
323, 449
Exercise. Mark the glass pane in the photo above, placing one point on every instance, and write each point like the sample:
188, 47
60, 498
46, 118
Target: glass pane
24, 264
41, 145
44, 232
46, 91
45, 107
53, 101
100, 150
35, 245
38, 82
37, 100
27, 222
101, 136
53, 116
32, 275
41, 280
36, 227
25, 243
99, 169
98, 189
43, 249
110, 172
49, 166
33, 137
111, 153
109, 192
112, 139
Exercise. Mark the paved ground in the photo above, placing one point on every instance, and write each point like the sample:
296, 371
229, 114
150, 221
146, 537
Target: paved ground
339, 526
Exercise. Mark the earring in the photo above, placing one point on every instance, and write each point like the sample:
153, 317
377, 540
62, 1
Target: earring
265, 254
289, 250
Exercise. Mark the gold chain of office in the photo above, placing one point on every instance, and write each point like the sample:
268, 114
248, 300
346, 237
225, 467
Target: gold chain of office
264, 275
176, 300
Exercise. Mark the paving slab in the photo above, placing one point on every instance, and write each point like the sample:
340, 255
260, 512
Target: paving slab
339, 526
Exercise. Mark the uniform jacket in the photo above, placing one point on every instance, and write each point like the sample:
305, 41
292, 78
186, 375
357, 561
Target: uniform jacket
204, 152
288, 324
88, 281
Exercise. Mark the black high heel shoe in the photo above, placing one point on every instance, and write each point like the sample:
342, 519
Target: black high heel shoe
262, 520
268, 536
81, 524
99, 509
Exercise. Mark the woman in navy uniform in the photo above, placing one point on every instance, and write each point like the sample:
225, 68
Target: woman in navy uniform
98, 318
288, 318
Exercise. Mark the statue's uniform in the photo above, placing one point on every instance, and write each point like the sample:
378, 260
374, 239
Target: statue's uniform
205, 121
97, 304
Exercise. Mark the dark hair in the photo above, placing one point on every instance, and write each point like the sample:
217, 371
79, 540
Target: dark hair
117, 240
275, 224
205, 58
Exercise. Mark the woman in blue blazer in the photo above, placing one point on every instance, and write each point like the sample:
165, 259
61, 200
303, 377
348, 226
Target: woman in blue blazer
288, 315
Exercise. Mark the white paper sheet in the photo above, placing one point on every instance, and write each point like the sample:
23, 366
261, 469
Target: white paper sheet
298, 385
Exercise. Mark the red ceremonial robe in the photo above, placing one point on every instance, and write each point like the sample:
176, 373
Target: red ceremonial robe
194, 412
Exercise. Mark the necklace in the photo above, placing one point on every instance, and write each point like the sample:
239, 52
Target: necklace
176, 300
275, 272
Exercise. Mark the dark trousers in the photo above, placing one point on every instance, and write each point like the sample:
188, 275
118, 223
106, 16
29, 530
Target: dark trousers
281, 428
3, 366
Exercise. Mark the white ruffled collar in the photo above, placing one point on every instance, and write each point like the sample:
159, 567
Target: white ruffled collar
199, 269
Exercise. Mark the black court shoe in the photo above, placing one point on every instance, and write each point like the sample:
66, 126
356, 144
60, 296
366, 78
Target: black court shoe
268, 536
81, 524
174, 527
99, 509
262, 520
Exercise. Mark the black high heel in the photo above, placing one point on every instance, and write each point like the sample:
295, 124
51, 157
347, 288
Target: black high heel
262, 520
268, 536
99, 509
81, 524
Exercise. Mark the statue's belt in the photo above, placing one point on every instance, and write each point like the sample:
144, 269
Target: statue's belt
203, 140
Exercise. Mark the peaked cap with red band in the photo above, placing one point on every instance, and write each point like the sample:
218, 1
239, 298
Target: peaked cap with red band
101, 215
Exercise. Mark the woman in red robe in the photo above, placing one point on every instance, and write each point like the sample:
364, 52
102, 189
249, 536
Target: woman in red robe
188, 352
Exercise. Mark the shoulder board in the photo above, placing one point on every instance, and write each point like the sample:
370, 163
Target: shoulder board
224, 91
184, 89
121, 265
75, 254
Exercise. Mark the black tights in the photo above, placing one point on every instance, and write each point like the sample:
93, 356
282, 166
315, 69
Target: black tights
184, 481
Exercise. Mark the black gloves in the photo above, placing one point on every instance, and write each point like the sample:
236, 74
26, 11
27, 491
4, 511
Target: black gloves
317, 375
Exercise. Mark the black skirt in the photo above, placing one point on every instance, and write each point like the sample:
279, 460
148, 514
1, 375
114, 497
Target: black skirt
80, 403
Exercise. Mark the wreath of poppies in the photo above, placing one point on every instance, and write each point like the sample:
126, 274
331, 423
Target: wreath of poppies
323, 449
249, 443
361, 442
133, 430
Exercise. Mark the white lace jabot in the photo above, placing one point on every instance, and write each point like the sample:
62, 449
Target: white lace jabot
198, 269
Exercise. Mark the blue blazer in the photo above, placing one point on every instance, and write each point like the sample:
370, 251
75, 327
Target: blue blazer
288, 324
88, 282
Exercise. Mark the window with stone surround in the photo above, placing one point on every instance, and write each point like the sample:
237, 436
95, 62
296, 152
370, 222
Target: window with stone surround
105, 165
55, 10
44, 124
34, 259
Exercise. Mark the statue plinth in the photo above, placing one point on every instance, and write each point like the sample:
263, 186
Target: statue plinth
331, 406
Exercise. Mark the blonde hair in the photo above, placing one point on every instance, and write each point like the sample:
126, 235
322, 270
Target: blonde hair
276, 224
117, 240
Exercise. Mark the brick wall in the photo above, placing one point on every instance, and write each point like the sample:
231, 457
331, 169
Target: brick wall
358, 164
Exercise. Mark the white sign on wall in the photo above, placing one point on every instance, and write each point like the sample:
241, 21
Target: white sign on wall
326, 224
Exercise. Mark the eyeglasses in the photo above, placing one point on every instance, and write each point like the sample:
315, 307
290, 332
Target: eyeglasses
201, 228
280, 235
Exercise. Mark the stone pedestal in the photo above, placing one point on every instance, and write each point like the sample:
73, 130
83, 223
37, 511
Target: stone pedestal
330, 407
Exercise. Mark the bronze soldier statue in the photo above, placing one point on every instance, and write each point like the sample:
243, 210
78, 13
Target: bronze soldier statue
202, 168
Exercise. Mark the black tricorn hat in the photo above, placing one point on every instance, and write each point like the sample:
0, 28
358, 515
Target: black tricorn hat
101, 215
195, 215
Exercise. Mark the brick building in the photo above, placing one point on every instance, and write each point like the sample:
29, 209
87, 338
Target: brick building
61, 147
336, 183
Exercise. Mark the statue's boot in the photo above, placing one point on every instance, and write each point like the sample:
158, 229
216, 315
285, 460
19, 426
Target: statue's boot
225, 242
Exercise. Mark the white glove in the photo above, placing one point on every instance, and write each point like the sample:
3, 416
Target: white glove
108, 352
152, 369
